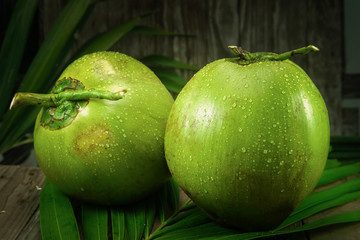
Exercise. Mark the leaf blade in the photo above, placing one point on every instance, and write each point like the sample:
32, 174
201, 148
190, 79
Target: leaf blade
41, 74
106, 40
166, 62
150, 216
13, 47
320, 207
57, 218
173, 194
328, 194
170, 79
337, 173
94, 221
118, 223
135, 220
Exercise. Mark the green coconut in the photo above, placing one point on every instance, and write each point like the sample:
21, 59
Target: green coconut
247, 138
99, 136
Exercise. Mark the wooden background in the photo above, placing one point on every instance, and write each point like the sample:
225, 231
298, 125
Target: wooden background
256, 25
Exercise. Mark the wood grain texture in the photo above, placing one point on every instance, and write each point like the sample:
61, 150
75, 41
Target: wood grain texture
19, 201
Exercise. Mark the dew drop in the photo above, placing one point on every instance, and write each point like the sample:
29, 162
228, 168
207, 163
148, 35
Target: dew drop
291, 151
243, 149
240, 130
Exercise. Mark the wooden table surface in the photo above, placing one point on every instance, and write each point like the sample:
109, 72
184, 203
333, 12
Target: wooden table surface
20, 189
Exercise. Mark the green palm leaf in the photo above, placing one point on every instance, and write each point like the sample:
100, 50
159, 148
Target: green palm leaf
42, 71
118, 223
94, 221
106, 40
12, 48
166, 62
57, 218
170, 79
135, 219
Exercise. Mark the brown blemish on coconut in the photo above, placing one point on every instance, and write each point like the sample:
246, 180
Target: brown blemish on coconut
93, 139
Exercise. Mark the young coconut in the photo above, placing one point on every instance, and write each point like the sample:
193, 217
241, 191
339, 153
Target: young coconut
99, 135
247, 138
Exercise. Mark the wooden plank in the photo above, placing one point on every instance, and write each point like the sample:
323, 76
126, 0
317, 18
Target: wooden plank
19, 200
325, 30
32, 228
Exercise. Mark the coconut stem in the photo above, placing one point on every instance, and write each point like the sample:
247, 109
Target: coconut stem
55, 99
244, 57
287, 55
